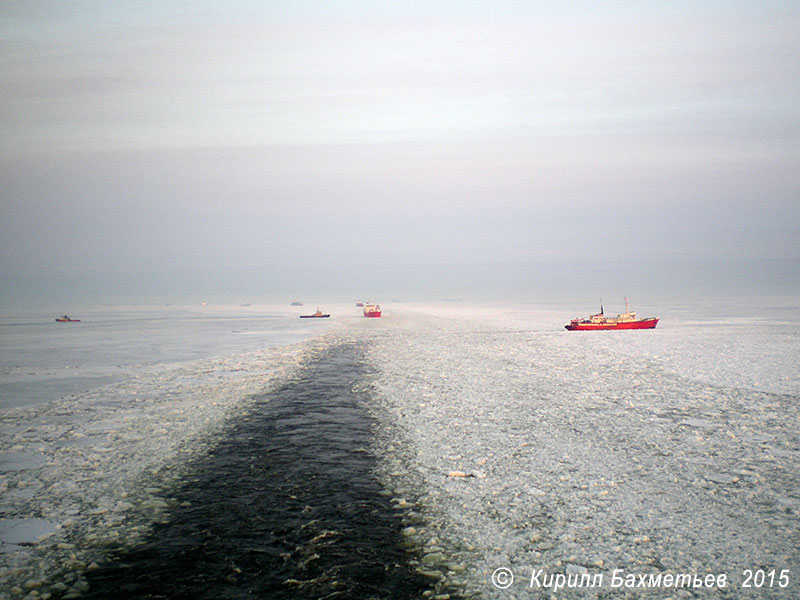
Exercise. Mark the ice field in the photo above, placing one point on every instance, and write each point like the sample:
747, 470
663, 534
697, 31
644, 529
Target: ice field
672, 450
499, 439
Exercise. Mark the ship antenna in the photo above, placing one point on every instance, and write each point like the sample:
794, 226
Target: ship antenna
626, 305
601, 307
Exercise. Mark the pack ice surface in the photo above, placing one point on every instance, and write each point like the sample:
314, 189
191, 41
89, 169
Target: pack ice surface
504, 440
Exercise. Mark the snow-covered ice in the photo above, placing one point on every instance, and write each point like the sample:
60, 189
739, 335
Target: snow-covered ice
502, 439
671, 450
86, 470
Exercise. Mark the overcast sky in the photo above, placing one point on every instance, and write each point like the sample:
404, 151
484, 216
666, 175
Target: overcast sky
254, 149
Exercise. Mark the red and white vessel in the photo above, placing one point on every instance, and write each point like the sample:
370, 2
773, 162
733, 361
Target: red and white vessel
66, 319
626, 320
372, 310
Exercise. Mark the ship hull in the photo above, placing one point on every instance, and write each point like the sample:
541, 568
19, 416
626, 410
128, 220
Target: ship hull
642, 324
372, 310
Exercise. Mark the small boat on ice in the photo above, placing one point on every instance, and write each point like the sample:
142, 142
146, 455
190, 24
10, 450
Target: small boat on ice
66, 319
626, 320
317, 315
372, 310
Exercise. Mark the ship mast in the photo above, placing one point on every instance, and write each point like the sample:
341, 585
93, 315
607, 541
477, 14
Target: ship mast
627, 310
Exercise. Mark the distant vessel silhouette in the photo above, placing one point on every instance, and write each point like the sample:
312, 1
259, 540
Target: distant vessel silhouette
372, 310
317, 315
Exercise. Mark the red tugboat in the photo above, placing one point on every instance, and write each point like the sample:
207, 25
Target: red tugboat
626, 320
317, 315
372, 310
66, 319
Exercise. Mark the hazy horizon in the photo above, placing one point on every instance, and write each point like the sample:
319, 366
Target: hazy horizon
188, 152
579, 283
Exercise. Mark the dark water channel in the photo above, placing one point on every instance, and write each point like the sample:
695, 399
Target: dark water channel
284, 506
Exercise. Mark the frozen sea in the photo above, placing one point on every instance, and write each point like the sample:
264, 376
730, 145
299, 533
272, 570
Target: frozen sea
446, 449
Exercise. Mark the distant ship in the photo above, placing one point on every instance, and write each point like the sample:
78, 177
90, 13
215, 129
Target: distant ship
317, 315
66, 319
359, 304
626, 320
296, 303
372, 310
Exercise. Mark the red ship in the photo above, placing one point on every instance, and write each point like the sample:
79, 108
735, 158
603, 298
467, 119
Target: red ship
66, 319
372, 310
626, 320
317, 315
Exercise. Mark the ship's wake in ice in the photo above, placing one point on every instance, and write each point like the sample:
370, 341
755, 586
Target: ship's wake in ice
285, 504
414, 455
